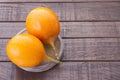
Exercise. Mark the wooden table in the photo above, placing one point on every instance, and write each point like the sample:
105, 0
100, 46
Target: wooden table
90, 30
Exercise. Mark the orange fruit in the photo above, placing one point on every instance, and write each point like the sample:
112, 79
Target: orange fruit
43, 23
25, 50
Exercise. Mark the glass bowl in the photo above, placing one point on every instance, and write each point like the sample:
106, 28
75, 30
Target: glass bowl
49, 51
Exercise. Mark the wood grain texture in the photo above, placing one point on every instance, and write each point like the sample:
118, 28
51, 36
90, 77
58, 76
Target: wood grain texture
65, 11
88, 43
3, 56
54, 0
69, 29
75, 71
6, 71
65, 71
92, 49
8, 30
82, 49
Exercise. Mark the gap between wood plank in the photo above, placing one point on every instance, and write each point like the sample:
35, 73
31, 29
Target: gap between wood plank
86, 37
90, 60
70, 37
64, 2
83, 61
72, 21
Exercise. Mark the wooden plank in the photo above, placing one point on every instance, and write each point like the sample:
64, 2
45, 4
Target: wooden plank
8, 30
118, 27
82, 49
3, 56
65, 11
5, 71
90, 29
92, 49
75, 71
69, 29
54, 0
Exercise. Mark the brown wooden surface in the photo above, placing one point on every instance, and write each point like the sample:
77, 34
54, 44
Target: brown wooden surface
65, 71
69, 29
65, 11
55, 0
6, 69
91, 34
82, 49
